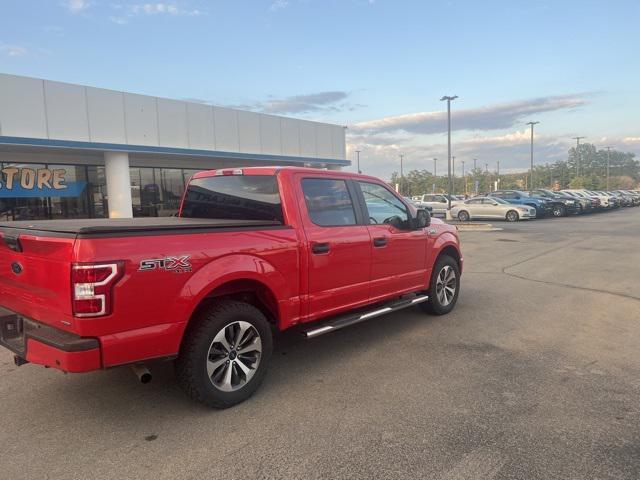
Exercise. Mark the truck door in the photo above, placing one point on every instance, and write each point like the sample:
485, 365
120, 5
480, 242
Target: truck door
339, 245
398, 258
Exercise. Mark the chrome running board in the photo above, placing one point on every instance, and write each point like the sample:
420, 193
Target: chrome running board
346, 320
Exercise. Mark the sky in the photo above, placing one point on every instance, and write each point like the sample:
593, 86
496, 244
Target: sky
378, 67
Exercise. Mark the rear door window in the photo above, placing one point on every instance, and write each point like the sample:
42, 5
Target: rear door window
329, 202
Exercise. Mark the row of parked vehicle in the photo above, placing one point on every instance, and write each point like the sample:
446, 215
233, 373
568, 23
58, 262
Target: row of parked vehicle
514, 205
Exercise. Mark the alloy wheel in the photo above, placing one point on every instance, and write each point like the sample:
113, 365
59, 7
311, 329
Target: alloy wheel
446, 284
234, 356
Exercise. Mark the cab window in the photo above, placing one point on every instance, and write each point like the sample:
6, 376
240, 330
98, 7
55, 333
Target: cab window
384, 207
328, 202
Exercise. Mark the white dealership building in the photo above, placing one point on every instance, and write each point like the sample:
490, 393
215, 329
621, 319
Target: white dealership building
73, 151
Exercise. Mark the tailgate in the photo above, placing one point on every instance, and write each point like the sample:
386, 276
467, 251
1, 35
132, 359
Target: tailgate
35, 275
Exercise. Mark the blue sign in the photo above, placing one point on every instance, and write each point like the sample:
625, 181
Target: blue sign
42, 182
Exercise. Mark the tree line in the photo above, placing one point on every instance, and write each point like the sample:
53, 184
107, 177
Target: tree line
585, 167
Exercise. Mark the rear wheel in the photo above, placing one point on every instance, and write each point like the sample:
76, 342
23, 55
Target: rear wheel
512, 216
559, 211
443, 287
463, 216
225, 354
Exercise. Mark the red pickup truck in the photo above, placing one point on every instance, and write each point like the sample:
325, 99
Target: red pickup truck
253, 251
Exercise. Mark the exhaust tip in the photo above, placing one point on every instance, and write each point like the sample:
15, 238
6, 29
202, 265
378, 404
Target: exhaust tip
143, 373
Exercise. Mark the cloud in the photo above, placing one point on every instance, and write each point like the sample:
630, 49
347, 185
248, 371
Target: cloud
278, 5
13, 50
76, 6
127, 12
380, 151
492, 117
330, 101
631, 140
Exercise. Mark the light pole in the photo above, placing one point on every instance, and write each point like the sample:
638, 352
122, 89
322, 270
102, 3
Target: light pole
608, 164
358, 160
448, 99
577, 139
464, 179
453, 175
531, 174
401, 175
435, 175
497, 174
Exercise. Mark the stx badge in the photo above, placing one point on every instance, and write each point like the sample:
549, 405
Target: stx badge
171, 264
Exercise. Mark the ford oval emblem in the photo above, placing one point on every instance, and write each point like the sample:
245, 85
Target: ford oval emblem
16, 268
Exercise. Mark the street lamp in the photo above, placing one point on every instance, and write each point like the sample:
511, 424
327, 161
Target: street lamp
464, 179
358, 160
453, 174
448, 99
435, 175
608, 164
401, 175
577, 139
531, 174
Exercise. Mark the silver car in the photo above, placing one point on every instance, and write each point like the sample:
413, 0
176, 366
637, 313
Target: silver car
485, 207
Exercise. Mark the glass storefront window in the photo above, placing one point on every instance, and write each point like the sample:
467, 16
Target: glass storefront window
171, 190
55, 191
46, 191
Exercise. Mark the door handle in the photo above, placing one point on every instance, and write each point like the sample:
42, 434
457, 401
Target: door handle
320, 248
380, 242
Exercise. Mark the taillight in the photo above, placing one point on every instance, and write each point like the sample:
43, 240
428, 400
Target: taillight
92, 286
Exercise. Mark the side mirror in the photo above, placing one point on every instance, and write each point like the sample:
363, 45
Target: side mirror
422, 220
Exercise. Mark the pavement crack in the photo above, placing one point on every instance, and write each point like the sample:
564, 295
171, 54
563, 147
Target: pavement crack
560, 284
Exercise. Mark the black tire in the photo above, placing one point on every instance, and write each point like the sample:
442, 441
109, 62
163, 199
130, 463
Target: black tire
434, 305
463, 216
195, 351
559, 211
512, 216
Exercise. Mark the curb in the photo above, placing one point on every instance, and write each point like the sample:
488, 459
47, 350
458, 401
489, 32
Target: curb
475, 227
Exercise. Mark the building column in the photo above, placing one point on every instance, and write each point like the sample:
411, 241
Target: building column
118, 184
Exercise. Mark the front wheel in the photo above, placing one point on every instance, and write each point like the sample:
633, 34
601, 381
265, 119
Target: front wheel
559, 211
463, 216
225, 354
512, 216
444, 287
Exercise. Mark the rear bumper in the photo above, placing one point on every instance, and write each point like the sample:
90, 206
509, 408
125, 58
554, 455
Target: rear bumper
44, 345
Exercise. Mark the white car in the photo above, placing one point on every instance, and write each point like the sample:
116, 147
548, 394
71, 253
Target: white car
490, 207
438, 203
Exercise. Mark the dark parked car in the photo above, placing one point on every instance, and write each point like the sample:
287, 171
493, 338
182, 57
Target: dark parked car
543, 206
562, 204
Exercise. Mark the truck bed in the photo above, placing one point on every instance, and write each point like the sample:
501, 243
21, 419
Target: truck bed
100, 227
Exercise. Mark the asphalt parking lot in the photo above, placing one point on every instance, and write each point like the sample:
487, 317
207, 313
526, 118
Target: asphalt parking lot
536, 374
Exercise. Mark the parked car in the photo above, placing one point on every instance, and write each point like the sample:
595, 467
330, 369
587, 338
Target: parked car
543, 206
626, 198
412, 202
606, 201
252, 251
594, 203
562, 204
491, 207
438, 202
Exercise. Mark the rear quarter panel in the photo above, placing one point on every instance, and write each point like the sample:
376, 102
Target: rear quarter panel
155, 305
